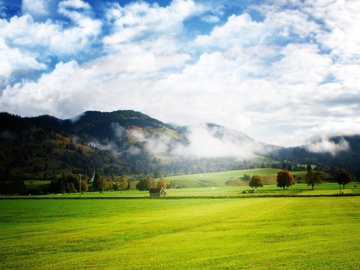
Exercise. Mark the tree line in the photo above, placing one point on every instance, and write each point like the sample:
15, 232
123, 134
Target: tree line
285, 179
76, 182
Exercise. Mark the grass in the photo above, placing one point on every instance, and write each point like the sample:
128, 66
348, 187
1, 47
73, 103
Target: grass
324, 189
214, 184
220, 178
261, 233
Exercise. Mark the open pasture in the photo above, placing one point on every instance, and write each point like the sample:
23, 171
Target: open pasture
220, 178
324, 189
261, 233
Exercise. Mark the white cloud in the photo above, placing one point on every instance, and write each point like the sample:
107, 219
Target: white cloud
136, 59
328, 146
74, 9
29, 45
216, 142
58, 92
139, 20
341, 27
73, 4
13, 60
202, 142
51, 37
238, 31
36, 7
301, 64
210, 19
2, 9
282, 79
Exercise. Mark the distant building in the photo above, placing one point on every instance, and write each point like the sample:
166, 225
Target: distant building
157, 192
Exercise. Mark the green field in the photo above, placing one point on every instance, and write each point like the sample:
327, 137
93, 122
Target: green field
216, 184
247, 233
220, 178
324, 189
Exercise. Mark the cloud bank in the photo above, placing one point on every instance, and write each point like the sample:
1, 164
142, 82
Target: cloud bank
200, 141
327, 146
281, 72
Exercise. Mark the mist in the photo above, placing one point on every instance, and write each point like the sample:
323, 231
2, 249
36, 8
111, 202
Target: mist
327, 146
199, 141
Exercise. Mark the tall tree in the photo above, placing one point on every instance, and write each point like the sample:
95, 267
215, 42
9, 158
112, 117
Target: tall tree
144, 184
308, 168
100, 183
343, 177
255, 181
312, 178
284, 179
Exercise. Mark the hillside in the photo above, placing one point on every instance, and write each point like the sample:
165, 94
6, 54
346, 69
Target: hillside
336, 152
121, 142
129, 142
33, 151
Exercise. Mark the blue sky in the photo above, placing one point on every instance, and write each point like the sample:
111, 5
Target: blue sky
284, 72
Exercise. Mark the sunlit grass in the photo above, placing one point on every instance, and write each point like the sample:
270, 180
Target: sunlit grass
261, 233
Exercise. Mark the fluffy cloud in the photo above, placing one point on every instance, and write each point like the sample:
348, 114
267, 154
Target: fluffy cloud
36, 7
30, 45
141, 20
284, 77
58, 92
50, 37
13, 60
341, 27
301, 63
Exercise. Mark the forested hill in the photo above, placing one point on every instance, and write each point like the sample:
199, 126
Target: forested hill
129, 142
35, 151
335, 152
98, 124
121, 142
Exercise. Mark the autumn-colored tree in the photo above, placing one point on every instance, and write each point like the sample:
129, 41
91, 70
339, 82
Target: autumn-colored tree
312, 178
84, 185
343, 177
102, 183
284, 179
255, 181
163, 183
121, 184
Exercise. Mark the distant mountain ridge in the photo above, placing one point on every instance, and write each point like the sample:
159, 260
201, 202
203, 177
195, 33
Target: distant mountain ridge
339, 151
128, 142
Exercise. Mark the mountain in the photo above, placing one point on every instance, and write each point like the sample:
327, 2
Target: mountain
120, 142
129, 142
327, 154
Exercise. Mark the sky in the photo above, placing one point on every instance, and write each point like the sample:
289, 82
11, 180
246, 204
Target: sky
284, 72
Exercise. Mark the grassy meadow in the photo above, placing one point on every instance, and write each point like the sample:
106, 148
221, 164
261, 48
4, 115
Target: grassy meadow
214, 185
220, 178
253, 233
187, 230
